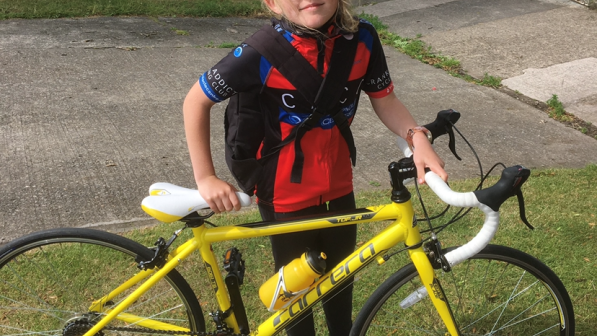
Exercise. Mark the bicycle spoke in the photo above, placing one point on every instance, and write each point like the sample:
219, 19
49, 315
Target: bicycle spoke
36, 297
508, 301
524, 311
541, 332
475, 294
27, 332
24, 287
458, 295
36, 309
51, 266
528, 318
496, 293
503, 305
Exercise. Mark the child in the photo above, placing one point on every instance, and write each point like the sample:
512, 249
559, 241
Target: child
312, 27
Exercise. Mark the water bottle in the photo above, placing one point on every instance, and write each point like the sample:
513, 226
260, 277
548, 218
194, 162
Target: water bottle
292, 280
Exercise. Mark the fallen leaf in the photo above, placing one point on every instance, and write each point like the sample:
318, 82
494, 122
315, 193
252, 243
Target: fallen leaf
587, 259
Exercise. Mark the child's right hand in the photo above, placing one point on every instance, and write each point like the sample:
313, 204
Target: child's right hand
219, 195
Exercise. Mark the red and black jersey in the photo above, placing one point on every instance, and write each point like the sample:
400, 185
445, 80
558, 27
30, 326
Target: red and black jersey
327, 171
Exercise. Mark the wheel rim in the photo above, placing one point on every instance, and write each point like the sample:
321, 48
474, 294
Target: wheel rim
487, 297
47, 284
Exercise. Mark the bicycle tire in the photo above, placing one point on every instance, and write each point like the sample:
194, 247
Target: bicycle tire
49, 279
499, 291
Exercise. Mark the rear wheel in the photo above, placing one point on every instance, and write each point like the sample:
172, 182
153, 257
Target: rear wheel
49, 280
500, 291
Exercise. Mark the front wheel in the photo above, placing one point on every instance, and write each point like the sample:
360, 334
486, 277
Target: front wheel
50, 279
499, 291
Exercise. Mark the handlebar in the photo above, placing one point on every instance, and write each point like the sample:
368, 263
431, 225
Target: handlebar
487, 200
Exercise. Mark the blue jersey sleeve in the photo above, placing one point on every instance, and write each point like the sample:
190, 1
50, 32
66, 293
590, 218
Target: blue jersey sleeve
236, 72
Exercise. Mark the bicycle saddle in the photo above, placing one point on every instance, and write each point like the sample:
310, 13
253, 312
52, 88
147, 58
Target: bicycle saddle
168, 202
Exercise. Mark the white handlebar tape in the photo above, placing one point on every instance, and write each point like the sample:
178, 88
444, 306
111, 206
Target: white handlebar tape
492, 220
490, 226
441, 189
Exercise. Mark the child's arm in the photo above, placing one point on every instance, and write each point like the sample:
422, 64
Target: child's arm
398, 119
219, 194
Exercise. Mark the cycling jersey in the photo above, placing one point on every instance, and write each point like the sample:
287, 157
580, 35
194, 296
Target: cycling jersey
327, 171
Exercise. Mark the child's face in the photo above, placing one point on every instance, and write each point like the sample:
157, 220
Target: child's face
308, 13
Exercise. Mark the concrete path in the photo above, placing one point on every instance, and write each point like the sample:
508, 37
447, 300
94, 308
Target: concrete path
539, 48
90, 109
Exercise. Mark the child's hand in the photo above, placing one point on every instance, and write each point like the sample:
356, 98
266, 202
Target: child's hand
220, 195
425, 157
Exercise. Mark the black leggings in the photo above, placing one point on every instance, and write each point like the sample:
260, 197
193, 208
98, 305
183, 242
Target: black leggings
337, 243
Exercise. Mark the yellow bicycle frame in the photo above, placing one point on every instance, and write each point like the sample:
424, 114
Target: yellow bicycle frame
403, 229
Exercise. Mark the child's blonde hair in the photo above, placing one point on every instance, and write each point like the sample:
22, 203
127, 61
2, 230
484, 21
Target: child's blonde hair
345, 20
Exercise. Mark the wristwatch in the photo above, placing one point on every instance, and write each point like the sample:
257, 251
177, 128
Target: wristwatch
411, 132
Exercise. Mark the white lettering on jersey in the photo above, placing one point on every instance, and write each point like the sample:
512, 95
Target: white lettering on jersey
284, 100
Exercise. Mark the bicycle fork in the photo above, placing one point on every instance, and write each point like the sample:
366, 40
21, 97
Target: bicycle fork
434, 288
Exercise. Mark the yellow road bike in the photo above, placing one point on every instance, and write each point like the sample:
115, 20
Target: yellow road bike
82, 282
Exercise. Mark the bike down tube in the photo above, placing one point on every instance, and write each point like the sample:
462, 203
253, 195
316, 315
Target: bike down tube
370, 214
402, 229
134, 296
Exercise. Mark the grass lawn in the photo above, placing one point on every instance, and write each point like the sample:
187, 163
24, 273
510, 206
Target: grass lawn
29, 9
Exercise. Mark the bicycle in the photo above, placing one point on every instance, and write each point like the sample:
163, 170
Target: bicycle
125, 287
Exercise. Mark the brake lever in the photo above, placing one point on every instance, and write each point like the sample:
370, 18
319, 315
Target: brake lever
452, 143
509, 184
443, 125
521, 208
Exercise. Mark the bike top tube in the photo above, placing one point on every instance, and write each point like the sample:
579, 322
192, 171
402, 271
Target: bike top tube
392, 211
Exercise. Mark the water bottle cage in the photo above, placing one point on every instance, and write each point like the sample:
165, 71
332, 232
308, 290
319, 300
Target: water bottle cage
281, 290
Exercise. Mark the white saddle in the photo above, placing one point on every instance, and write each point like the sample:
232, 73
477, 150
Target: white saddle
168, 202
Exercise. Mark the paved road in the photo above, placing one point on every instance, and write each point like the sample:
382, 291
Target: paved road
90, 109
